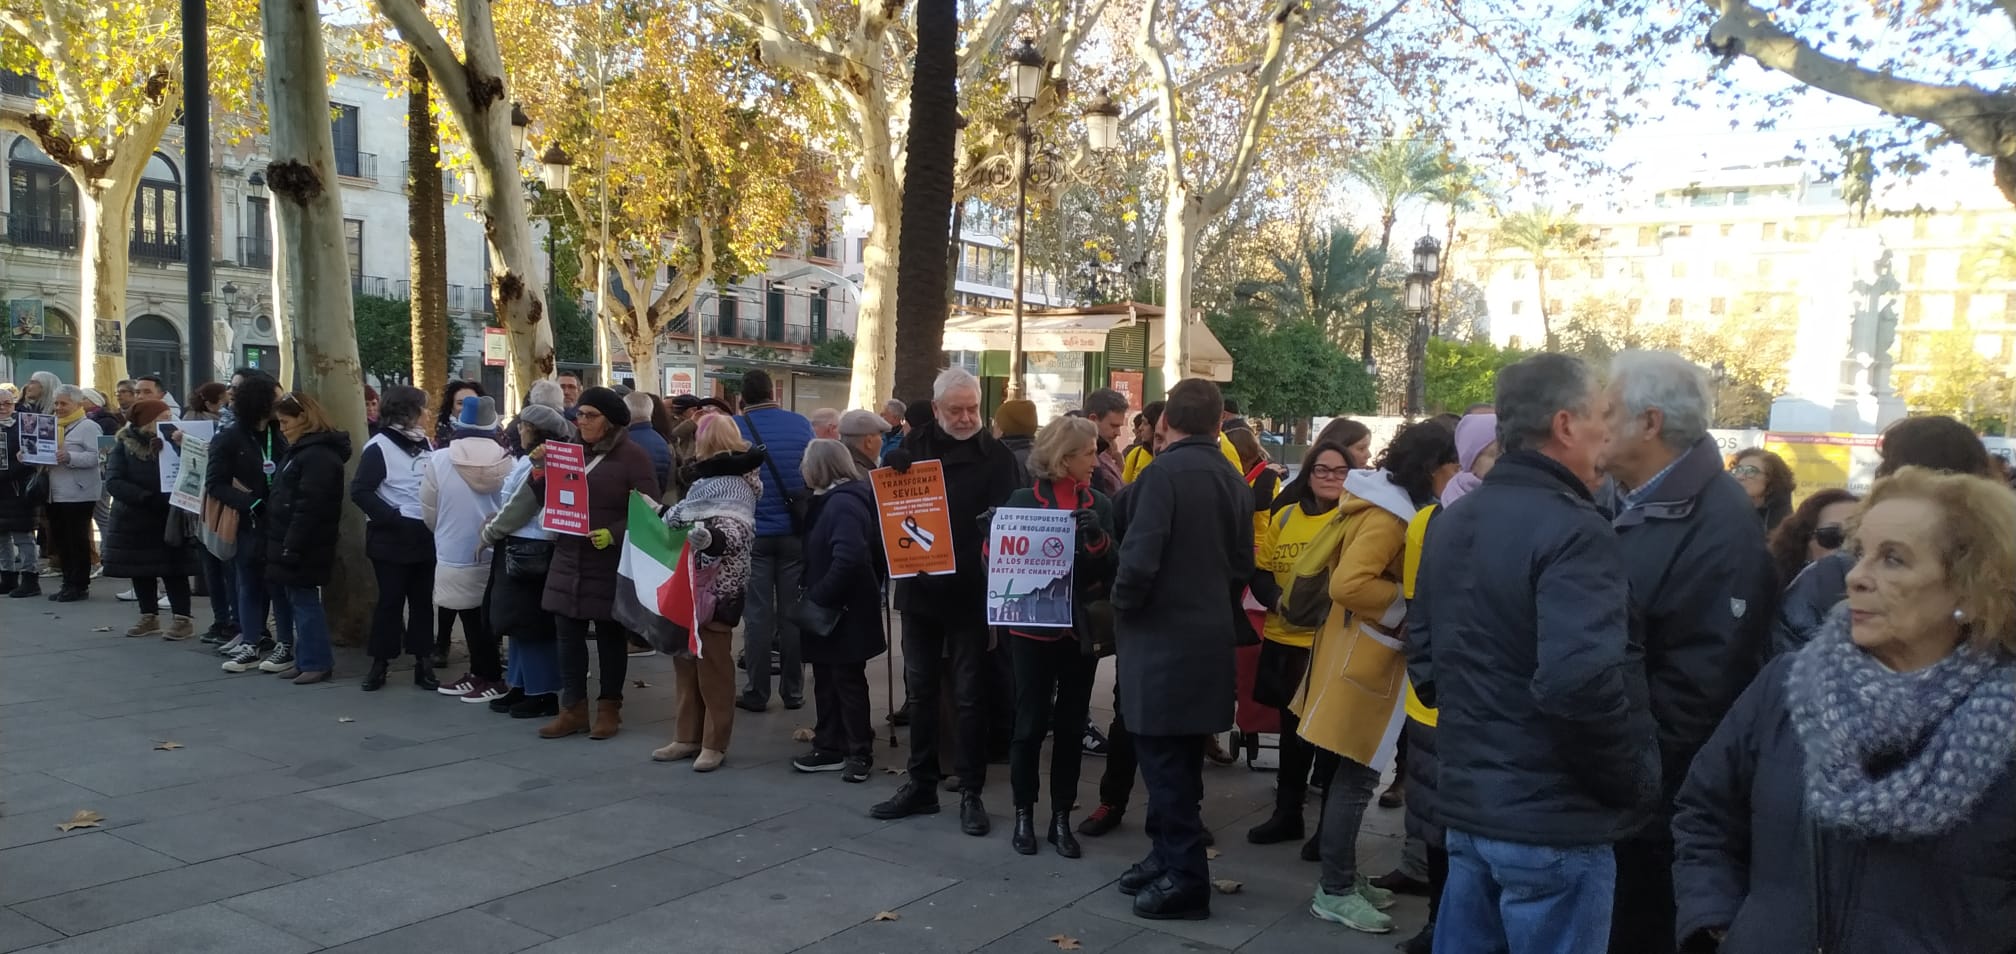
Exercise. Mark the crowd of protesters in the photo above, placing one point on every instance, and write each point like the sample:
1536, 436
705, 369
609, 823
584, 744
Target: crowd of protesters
1634, 696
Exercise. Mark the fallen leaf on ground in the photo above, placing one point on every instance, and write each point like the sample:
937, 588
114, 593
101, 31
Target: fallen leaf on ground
1211, 853
345, 719
85, 818
102, 629
1226, 885
640, 684
801, 735
888, 916
167, 746
1065, 942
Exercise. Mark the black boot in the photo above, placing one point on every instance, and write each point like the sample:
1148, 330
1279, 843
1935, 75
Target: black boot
1061, 836
973, 815
1286, 823
504, 702
30, 585
9, 580
375, 679
914, 798
423, 674
1024, 839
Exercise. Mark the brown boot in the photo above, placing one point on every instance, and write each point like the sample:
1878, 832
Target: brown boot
149, 625
572, 719
179, 629
608, 718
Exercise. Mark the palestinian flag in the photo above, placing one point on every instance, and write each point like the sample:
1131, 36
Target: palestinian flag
657, 599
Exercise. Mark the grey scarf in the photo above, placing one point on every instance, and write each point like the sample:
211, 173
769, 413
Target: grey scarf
1899, 755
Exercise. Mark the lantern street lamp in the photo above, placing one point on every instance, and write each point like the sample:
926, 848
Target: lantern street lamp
1419, 300
1037, 163
519, 123
557, 167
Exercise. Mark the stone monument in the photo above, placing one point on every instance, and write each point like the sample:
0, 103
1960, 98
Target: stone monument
1839, 379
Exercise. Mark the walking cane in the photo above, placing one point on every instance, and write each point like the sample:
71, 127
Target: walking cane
889, 664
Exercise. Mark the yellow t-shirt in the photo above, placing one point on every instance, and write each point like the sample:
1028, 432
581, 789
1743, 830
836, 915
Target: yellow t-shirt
1138, 459
1287, 533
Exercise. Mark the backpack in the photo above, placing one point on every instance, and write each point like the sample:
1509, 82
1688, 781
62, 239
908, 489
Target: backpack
1305, 601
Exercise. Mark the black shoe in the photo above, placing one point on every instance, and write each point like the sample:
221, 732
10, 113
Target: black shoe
67, 595
503, 703
1312, 850
30, 585
747, 704
1399, 882
794, 704
817, 761
742, 662
1209, 839
900, 717
1095, 743
1060, 835
439, 660
423, 674
1282, 827
1422, 943
914, 798
973, 815
1141, 875
1164, 901
1102, 821
1024, 838
1394, 796
9, 580
546, 705
375, 679
856, 771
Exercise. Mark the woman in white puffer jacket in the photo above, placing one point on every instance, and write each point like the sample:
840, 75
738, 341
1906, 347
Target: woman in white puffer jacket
461, 490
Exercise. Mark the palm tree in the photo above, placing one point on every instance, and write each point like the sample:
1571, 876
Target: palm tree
1333, 280
921, 275
1544, 235
1395, 172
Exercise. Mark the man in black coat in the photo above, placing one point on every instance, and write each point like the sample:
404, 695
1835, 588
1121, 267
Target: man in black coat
1703, 594
1519, 632
1184, 562
945, 617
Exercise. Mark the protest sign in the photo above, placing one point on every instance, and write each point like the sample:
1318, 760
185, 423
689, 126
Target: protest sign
1030, 554
187, 492
566, 489
916, 523
171, 459
38, 438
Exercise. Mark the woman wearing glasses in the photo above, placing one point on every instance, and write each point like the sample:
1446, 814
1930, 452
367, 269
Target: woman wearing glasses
1769, 482
1813, 531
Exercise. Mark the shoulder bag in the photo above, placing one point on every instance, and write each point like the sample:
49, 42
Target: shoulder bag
797, 502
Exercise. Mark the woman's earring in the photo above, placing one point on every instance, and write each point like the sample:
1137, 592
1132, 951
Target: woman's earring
1960, 616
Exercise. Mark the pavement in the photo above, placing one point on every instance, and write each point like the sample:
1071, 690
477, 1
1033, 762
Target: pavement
243, 814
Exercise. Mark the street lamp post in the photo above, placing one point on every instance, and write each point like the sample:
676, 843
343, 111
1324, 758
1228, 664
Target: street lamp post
1427, 266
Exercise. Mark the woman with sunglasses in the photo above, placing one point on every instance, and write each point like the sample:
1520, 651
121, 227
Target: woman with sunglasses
1813, 531
1768, 480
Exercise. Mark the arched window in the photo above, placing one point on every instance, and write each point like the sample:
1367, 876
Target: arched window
153, 346
55, 351
157, 212
41, 199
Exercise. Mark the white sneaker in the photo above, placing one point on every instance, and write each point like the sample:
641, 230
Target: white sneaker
128, 596
244, 658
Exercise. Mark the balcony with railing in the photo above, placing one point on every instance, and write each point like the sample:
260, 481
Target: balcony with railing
458, 299
760, 331
374, 286
38, 232
255, 251
156, 245
357, 165
20, 84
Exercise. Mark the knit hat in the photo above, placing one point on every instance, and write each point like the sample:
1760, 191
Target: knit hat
547, 392
611, 406
146, 412
1016, 418
547, 421
94, 396
685, 402
861, 424
478, 414
918, 415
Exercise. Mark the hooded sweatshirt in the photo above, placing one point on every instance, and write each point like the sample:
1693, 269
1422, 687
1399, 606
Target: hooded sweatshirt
1474, 433
463, 487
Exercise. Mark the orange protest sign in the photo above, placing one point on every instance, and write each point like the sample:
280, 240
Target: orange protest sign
916, 525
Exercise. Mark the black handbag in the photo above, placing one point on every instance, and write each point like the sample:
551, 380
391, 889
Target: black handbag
36, 492
1279, 673
526, 561
813, 619
798, 503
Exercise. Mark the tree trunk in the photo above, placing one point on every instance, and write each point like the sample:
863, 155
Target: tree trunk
643, 351
1386, 219
1546, 320
104, 221
1183, 228
927, 201
875, 327
427, 231
309, 209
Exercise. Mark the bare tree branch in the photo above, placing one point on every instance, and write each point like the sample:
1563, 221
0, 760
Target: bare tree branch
991, 33
781, 50
443, 66
1148, 45
1289, 20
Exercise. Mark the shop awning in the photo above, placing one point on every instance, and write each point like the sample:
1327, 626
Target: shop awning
1208, 357
991, 331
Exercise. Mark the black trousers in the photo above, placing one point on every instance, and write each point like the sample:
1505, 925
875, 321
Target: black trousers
612, 657
484, 659
1002, 701
1172, 766
1438, 875
1043, 669
70, 539
401, 624
840, 696
1292, 781
1116, 784
1643, 919
178, 593
931, 645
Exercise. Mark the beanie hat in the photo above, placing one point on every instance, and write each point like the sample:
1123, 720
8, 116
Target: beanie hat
1474, 433
94, 397
918, 415
478, 414
547, 392
547, 421
147, 412
611, 406
1016, 418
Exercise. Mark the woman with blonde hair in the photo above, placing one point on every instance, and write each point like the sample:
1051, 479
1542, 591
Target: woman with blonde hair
1859, 798
303, 514
719, 512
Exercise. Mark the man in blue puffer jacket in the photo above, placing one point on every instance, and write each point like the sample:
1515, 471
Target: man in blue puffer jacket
780, 546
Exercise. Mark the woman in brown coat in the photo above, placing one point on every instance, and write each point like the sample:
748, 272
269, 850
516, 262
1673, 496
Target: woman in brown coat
581, 584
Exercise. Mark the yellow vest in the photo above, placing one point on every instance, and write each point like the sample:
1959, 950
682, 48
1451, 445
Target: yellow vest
1286, 534
1138, 459
1417, 530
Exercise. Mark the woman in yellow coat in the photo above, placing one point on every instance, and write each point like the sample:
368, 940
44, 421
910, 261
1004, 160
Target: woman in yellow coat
1351, 703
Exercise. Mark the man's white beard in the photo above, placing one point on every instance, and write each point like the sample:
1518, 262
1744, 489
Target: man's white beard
957, 435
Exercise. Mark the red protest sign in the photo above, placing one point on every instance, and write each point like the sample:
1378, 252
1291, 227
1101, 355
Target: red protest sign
566, 489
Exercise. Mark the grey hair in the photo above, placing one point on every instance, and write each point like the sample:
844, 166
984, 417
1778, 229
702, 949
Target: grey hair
827, 462
640, 405
1531, 392
71, 391
893, 406
1055, 441
953, 379
825, 415
1661, 379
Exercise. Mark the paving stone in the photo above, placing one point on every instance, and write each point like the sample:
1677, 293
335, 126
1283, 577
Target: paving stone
603, 895
211, 929
776, 840
463, 932
1095, 935
362, 845
162, 892
247, 827
17, 932
144, 769
79, 860
425, 790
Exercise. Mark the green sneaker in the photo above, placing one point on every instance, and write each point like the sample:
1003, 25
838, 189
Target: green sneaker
1350, 910
1378, 897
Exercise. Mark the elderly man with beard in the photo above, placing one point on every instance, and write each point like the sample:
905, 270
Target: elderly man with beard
944, 616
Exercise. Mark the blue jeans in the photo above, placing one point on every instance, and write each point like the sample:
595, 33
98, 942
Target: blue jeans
222, 582
311, 627
253, 600
1503, 897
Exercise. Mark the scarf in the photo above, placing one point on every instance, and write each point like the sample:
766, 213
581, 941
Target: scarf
66, 422
1899, 754
729, 497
